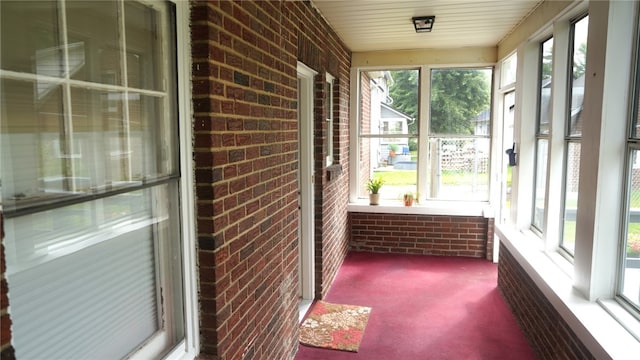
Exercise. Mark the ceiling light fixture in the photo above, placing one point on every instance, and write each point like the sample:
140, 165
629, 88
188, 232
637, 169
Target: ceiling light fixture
423, 23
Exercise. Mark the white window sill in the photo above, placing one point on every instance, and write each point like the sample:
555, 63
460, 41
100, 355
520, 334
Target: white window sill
451, 208
603, 334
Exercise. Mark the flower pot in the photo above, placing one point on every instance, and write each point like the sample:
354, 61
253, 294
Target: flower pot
408, 200
374, 199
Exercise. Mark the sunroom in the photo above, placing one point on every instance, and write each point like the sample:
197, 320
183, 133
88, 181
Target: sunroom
181, 178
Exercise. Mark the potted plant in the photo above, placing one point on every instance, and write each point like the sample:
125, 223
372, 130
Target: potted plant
373, 187
408, 199
393, 149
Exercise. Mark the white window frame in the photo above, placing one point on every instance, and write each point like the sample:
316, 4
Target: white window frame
425, 206
329, 82
539, 136
583, 294
188, 348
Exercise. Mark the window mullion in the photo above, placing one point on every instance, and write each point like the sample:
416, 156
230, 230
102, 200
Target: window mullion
67, 137
424, 107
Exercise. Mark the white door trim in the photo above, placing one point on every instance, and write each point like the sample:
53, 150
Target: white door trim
305, 116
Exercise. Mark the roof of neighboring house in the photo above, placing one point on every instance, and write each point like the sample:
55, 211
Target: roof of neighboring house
388, 111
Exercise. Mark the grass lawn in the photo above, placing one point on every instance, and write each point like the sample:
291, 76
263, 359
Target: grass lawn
409, 177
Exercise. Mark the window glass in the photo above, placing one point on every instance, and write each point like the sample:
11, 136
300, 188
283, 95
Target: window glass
89, 180
328, 101
573, 133
389, 130
544, 105
580, 29
630, 276
459, 138
509, 70
144, 47
94, 54
572, 180
30, 39
629, 268
542, 134
542, 152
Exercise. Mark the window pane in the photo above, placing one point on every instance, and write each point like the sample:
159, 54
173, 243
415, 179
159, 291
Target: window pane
572, 177
542, 147
101, 147
98, 276
630, 284
94, 265
328, 100
577, 79
116, 148
30, 39
34, 146
509, 70
389, 110
544, 106
144, 46
460, 101
94, 47
459, 168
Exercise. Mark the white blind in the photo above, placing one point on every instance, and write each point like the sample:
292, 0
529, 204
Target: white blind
93, 298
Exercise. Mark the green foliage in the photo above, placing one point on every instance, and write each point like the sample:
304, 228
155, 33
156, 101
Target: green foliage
404, 92
458, 96
579, 60
374, 184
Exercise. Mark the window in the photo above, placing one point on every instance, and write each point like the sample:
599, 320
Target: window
573, 134
460, 134
454, 161
629, 283
388, 130
329, 117
90, 180
542, 133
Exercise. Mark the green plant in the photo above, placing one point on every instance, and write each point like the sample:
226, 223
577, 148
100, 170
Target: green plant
393, 147
374, 184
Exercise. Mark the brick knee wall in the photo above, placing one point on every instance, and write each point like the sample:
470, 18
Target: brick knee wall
420, 234
549, 335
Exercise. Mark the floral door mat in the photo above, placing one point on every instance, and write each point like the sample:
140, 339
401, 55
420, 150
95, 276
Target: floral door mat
335, 326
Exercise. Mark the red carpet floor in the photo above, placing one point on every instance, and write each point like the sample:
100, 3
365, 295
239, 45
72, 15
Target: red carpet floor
426, 307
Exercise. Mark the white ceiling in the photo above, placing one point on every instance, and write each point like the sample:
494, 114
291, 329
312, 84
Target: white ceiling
370, 25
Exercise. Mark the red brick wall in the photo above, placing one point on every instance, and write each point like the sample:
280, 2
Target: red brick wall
6, 350
331, 192
420, 234
246, 156
549, 335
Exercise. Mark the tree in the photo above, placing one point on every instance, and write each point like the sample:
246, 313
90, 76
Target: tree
404, 92
458, 96
579, 60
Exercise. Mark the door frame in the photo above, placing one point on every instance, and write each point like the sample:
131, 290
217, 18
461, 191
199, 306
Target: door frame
305, 182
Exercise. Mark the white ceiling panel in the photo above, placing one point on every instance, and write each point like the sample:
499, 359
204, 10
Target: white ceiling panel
373, 25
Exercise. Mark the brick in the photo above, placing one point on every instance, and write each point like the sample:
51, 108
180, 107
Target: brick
244, 85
